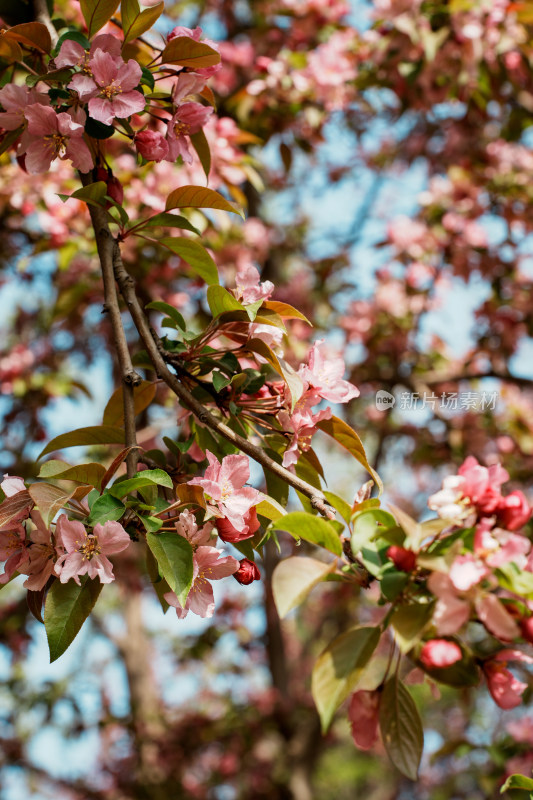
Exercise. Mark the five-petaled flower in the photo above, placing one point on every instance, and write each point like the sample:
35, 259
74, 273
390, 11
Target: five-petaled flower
109, 87
50, 136
224, 483
86, 553
208, 565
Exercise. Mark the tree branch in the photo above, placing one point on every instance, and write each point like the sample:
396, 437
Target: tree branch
150, 341
40, 10
105, 244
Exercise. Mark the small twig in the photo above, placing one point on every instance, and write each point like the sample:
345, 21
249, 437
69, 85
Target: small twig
105, 244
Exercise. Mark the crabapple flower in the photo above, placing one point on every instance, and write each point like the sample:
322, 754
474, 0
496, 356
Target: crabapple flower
514, 511
15, 99
12, 485
363, 714
109, 87
187, 527
439, 653
249, 288
324, 373
247, 573
207, 567
42, 556
224, 483
87, 552
50, 136
72, 54
302, 423
506, 690
188, 119
151, 145
13, 550
228, 533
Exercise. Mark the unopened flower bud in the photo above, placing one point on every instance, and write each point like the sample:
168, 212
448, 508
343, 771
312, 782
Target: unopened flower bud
403, 559
247, 572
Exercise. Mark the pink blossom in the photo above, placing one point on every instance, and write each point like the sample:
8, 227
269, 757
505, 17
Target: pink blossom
325, 374
86, 553
151, 145
54, 136
42, 556
466, 571
495, 617
438, 653
224, 483
505, 689
363, 714
451, 612
302, 423
249, 288
207, 566
188, 83
15, 99
72, 54
13, 550
109, 87
187, 527
483, 485
514, 511
12, 485
498, 547
188, 119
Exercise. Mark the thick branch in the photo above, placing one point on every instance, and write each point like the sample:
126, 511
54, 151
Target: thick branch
130, 378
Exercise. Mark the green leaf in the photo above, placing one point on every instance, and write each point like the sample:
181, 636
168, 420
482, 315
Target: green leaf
368, 525
143, 394
94, 192
189, 53
170, 311
347, 438
196, 257
270, 508
401, 728
220, 381
149, 477
285, 310
409, 623
88, 474
220, 301
98, 434
312, 529
199, 197
106, 508
31, 34
293, 579
517, 782
97, 130
96, 13
164, 220
136, 22
339, 668
340, 505
173, 553
201, 145
147, 78
66, 609
75, 36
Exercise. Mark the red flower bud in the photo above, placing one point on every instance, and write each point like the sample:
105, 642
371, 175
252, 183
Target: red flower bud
514, 511
247, 572
114, 186
526, 626
228, 533
151, 145
403, 559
